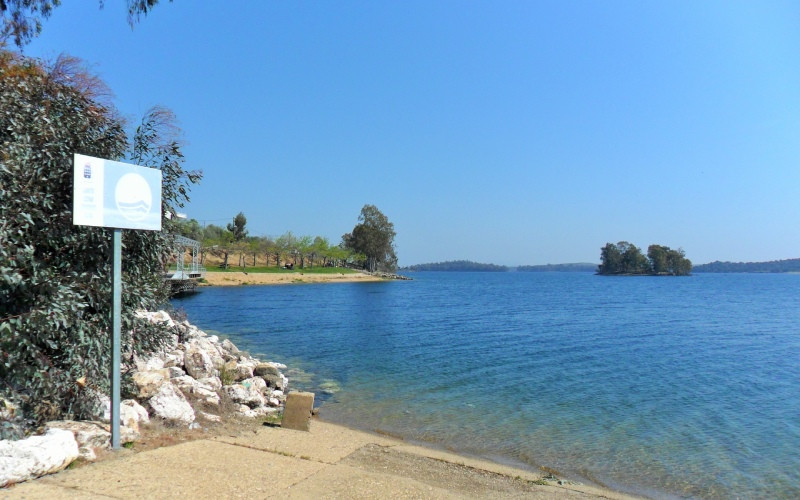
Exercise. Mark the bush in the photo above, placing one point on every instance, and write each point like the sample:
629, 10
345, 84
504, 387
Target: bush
55, 278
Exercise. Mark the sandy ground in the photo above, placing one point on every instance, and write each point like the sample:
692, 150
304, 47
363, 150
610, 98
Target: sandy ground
331, 461
240, 278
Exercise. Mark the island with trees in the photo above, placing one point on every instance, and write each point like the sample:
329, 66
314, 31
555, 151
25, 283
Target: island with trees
626, 259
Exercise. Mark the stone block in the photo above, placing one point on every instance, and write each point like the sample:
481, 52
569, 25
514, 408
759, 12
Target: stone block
297, 414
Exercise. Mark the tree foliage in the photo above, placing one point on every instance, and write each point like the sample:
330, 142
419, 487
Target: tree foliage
22, 19
55, 278
626, 258
237, 227
373, 237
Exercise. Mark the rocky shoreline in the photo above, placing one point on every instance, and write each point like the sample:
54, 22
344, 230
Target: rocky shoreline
196, 381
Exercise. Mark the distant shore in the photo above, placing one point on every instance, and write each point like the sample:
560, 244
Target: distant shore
219, 278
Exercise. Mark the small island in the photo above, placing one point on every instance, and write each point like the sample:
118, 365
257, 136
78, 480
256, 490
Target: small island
626, 259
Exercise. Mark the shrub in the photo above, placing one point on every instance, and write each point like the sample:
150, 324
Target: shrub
55, 278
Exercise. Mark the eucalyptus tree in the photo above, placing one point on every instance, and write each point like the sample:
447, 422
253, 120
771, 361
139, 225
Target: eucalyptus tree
238, 227
303, 247
285, 245
319, 248
22, 19
373, 237
55, 286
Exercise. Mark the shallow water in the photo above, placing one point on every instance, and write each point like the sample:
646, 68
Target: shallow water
652, 385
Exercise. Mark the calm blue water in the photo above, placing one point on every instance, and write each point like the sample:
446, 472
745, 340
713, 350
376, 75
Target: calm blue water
658, 386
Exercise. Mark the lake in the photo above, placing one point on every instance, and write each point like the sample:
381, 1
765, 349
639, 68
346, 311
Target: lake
659, 386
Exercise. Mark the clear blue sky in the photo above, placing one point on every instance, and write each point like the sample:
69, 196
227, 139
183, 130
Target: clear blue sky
509, 132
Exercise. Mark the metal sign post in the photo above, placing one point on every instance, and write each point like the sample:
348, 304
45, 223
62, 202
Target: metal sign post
116, 320
121, 196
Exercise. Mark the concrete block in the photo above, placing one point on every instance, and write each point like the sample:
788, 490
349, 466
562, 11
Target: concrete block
297, 414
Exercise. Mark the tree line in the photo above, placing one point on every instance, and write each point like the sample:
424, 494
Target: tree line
457, 265
773, 266
626, 258
369, 246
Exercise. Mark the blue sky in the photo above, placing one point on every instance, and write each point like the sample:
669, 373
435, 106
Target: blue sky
509, 132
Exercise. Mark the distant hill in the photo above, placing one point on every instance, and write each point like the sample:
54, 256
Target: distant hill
578, 267
456, 265
773, 266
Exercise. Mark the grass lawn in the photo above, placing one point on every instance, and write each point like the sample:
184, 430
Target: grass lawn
280, 270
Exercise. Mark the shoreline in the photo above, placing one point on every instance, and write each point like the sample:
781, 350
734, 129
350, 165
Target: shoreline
572, 479
333, 459
240, 278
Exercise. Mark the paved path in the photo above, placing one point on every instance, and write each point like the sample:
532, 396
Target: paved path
328, 462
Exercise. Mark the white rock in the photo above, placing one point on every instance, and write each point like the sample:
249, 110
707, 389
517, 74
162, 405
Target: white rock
170, 404
249, 413
36, 456
214, 383
249, 396
198, 363
185, 383
208, 396
213, 339
256, 383
148, 382
93, 436
210, 417
238, 371
154, 363
173, 359
274, 402
230, 347
132, 414
262, 411
175, 372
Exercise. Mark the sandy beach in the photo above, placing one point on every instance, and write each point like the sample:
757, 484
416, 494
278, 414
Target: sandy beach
216, 278
331, 461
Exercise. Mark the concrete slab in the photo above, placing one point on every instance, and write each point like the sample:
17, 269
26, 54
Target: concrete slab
40, 490
197, 469
325, 442
341, 481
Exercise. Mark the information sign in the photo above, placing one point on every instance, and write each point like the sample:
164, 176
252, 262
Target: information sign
109, 193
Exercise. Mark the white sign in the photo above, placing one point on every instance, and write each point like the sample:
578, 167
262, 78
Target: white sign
109, 193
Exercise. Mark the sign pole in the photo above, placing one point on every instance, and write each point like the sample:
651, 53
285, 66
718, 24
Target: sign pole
115, 340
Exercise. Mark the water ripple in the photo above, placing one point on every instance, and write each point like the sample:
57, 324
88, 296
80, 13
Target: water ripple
663, 387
